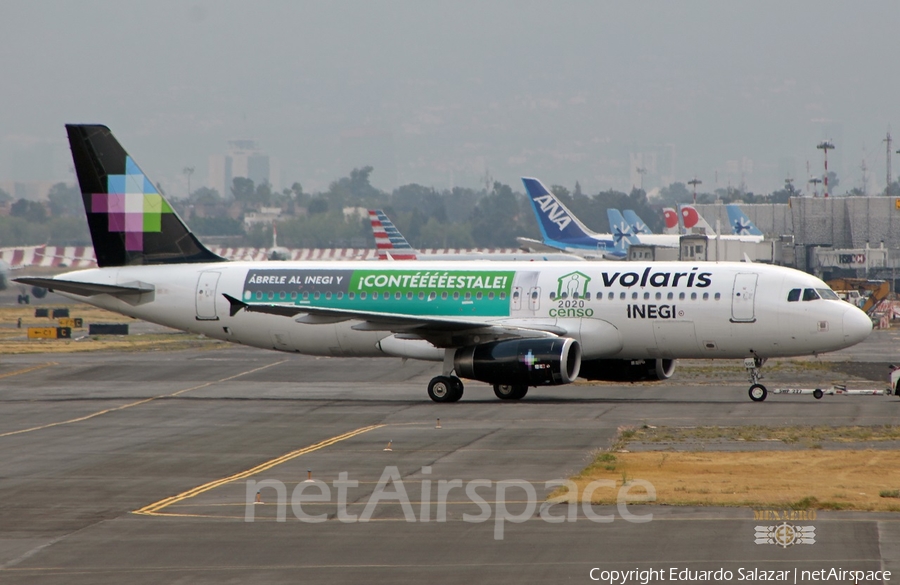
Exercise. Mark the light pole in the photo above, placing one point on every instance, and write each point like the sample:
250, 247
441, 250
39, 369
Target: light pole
694, 182
825, 146
815, 182
188, 171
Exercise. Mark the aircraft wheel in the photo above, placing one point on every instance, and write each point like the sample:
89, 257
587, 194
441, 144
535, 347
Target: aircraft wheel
510, 391
457, 389
442, 389
818, 394
758, 393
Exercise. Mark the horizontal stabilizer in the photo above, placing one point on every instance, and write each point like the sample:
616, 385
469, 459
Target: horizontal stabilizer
85, 289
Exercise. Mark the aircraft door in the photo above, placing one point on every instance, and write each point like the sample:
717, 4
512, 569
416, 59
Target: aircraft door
516, 301
206, 296
526, 294
743, 298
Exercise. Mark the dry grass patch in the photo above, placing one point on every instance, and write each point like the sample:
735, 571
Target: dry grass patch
809, 435
845, 479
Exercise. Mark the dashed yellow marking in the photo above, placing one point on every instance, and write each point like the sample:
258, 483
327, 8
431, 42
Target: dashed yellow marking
26, 370
154, 509
137, 403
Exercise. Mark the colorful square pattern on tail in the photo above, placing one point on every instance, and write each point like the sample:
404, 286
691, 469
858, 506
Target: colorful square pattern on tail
132, 204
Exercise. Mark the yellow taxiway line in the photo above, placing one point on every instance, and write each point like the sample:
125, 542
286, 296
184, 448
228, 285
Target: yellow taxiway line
26, 370
154, 509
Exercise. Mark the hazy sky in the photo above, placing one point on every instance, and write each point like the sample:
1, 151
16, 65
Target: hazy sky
564, 91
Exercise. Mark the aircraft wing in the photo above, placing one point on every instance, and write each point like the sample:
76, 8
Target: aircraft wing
440, 331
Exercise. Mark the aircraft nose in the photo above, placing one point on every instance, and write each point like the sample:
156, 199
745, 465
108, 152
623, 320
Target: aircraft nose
857, 325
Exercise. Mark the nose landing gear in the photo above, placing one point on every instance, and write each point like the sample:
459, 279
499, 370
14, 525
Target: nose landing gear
757, 391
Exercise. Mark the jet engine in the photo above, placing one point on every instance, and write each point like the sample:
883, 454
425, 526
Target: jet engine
627, 370
530, 362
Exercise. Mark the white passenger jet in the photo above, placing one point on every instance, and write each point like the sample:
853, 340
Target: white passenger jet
513, 325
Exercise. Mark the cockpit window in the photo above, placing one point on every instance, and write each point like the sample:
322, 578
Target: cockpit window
828, 294
794, 295
810, 294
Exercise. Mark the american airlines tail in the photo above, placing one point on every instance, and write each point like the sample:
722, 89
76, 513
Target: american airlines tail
130, 222
637, 224
692, 220
740, 223
388, 240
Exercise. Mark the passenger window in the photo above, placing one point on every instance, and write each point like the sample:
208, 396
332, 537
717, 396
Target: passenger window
374, 295
432, 296
587, 296
552, 296
705, 296
564, 295
259, 295
468, 296
421, 296
409, 296
794, 295
810, 294
317, 295
503, 296
534, 295
490, 296
658, 296
670, 296
646, 296
693, 296
351, 295
398, 295
328, 296
271, 296
455, 296
718, 296
444, 296
340, 295
281, 295
478, 296
622, 296
611, 296
362, 295
681, 296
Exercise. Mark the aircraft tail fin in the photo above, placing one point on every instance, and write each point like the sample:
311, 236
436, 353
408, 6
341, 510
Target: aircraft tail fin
129, 220
670, 216
557, 223
693, 222
637, 224
740, 223
390, 243
621, 230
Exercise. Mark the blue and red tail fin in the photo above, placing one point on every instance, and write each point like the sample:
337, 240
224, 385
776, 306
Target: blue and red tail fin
129, 220
389, 242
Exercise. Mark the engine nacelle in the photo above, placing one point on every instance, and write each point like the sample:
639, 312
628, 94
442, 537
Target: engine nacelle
627, 370
533, 362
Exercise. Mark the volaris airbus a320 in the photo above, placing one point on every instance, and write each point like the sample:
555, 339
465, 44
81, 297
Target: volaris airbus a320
513, 325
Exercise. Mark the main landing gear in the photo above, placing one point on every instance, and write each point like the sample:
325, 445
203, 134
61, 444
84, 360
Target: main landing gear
510, 391
757, 391
445, 389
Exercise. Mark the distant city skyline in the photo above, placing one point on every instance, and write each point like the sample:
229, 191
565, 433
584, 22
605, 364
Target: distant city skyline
444, 95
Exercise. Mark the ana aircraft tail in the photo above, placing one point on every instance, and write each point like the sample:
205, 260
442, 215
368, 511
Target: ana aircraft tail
388, 240
740, 223
130, 221
693, 222
637, 224
557, 223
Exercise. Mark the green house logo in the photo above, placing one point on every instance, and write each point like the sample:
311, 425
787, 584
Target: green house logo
573, 283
